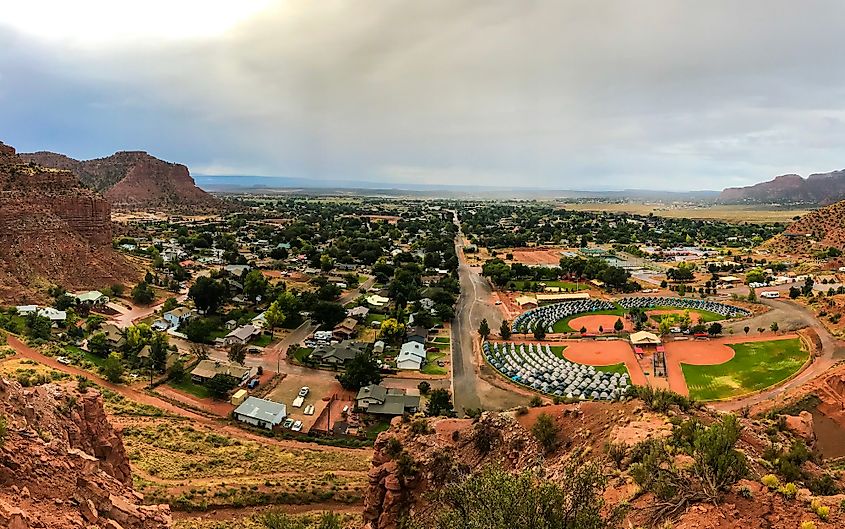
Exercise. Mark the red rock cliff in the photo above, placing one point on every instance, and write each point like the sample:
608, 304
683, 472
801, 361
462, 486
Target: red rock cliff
63, 466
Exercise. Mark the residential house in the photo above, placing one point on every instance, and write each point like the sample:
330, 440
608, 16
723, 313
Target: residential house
417, 334
178, 316
411, 356
377, 301
207, 369
260, 412
92, 297
242, 335
345, 329
379, 400
236, 269
114, 336
53, 314
337, 354
359, 313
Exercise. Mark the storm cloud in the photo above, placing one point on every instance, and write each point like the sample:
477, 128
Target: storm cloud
560, 94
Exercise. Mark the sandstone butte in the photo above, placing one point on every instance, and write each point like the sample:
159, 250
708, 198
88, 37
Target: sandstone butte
133, 179
53, 230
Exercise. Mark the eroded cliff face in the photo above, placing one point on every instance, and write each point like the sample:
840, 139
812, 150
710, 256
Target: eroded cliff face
63, 466
133, 179
52, 230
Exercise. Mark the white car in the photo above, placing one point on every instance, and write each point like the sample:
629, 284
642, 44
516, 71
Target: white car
303, 391
309, 410
63, 360
287, 424
297, 426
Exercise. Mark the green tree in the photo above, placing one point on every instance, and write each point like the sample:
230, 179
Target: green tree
329, 313
505, 330
221, 384
274, 316
38, 327
159, 343
424, 387
255, 285
546, 431
362, 370
237, 353
177, 372
484, 329
774, 326
207, 293
169, 304
746, 329
539, 332
714, 329
98, 344
143, 294
113, 368
199, 330
439, 403
618, 326
391, 331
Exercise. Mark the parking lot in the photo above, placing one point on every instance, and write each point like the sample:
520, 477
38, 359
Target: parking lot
322, 387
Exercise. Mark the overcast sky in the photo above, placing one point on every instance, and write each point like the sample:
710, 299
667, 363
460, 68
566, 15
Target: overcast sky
563, 94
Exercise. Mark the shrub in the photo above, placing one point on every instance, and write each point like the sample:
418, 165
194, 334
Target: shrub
394, 447
789, 490
545, 431
420, 427
536, 401
771, 481
617, 453
745, 492
822, 511
3, 430
808, 525
484, 437
823, 485
522, 410
424, 387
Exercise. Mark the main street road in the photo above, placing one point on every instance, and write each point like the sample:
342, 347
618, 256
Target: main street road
474, 304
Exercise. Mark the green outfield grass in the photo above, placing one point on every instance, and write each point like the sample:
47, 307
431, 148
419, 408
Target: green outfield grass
705, 316
756, 366
566, 285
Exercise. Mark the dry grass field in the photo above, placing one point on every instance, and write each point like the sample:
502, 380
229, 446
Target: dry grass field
727, 213
193, 467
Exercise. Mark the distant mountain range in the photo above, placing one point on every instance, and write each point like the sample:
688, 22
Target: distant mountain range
131, 178
816, 189
280, 184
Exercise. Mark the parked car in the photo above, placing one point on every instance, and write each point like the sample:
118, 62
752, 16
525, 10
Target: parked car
309, 410
63, 360
252, 384
297, 426
303, 391
287, 424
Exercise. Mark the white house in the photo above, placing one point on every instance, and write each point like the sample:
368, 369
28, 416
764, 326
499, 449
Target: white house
242, 335
261, 413
177, 316
53, 314
411, 356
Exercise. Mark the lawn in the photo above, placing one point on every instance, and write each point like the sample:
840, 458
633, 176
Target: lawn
431, 367
565, 285
190, 387
302, 353
263, 341
704, 316
756, 366
563, 325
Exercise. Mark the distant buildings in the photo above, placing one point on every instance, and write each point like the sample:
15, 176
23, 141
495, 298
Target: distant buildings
379, 400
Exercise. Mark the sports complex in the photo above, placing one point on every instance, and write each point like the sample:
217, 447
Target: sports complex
595, 349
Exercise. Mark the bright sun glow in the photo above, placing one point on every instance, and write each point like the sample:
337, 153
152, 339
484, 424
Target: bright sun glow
101, 21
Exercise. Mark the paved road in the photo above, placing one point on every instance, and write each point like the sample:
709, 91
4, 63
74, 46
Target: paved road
130, 315
474, 304
354, 293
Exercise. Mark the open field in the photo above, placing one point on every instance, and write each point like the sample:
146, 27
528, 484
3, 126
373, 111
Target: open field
755, 366
696, 315
727, 213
